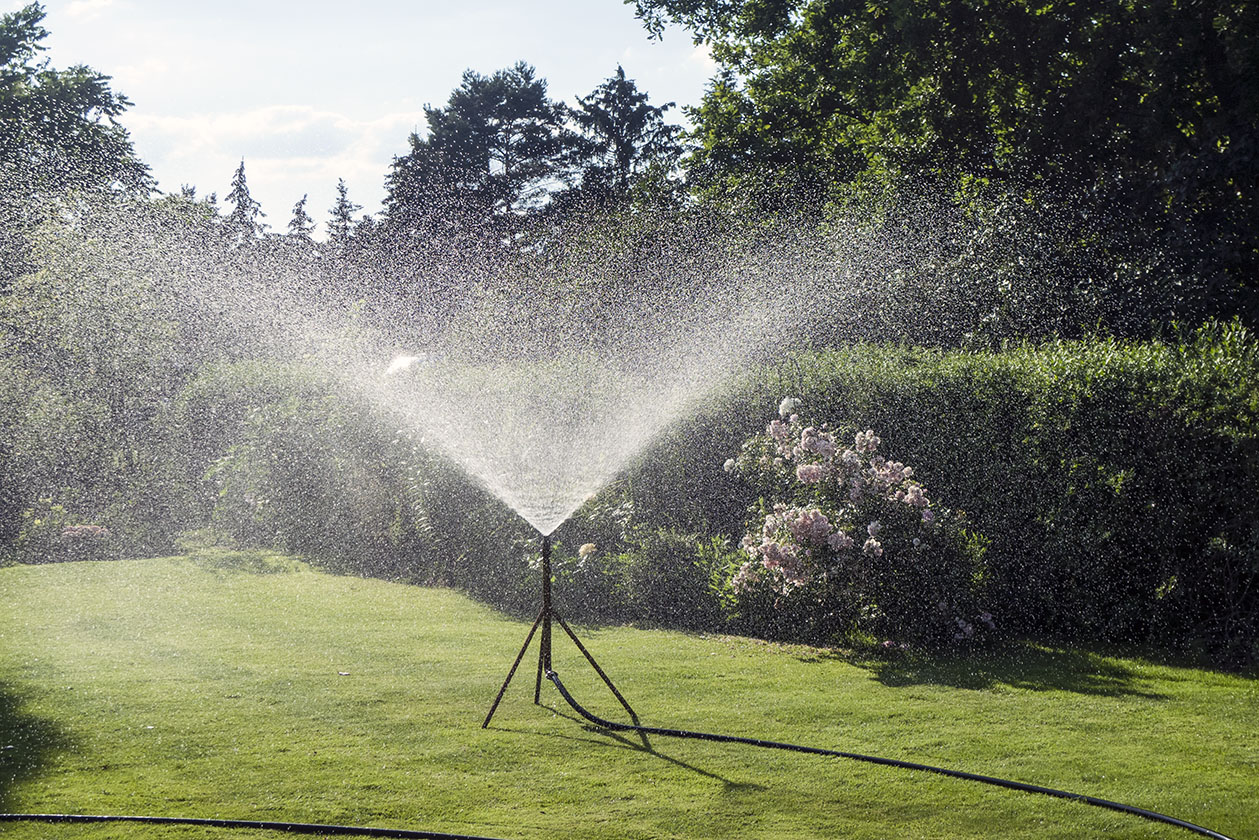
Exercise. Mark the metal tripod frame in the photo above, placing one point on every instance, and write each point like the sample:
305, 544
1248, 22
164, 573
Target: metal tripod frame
544, 619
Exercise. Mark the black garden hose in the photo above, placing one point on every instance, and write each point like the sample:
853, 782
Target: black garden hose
890, 762
292, 828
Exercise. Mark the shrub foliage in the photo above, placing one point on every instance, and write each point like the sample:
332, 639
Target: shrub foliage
1093, 491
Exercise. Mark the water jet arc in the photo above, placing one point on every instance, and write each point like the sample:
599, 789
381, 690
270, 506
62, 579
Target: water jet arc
546, 615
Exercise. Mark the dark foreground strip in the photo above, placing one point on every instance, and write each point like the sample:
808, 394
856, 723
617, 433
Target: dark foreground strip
292, 828
890, 762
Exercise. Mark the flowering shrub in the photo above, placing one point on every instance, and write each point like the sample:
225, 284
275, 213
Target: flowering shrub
846, 542
48, 536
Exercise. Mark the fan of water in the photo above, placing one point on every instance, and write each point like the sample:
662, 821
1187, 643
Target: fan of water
543, 373
547, 416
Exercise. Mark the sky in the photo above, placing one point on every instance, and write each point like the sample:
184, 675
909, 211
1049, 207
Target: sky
309, 92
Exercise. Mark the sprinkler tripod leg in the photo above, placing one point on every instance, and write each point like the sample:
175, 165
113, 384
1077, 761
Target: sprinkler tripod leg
512, 672
544, 645
543, 658
606, 679
544, 654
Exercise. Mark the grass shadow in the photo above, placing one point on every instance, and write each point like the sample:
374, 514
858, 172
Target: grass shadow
1027, 666
247, 561
618, 740
216, 555
27, 743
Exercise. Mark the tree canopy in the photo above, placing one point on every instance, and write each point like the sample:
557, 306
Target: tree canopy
1152, 109
495, 148
58, 132
501, 149
243, 218
341, 216
59, 128
626, 135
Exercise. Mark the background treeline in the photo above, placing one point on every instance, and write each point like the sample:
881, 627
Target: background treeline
1129, 129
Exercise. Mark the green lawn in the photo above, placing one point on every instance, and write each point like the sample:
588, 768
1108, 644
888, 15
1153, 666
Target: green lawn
243, 687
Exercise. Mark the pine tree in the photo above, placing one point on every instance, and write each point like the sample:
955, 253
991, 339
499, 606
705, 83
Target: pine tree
341, 222
627, 135
301, 225
245, 212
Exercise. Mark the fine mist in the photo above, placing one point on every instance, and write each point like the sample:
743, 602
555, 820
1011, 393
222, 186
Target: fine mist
543, 368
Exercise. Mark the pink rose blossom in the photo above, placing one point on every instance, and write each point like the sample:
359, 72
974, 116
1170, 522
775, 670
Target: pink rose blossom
813, 441
839, 541
809, 473
810, 527
794, 571
745, 577
867, 441
776, 554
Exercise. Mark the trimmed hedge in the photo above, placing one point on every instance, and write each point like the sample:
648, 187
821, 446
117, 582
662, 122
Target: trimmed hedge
1115, 482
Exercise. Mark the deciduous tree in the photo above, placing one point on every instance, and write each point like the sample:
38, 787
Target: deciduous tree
59, 128
1152, 111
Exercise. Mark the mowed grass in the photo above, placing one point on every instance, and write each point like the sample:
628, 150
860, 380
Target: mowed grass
244, 686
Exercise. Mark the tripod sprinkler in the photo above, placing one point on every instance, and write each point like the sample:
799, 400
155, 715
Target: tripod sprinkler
545, 615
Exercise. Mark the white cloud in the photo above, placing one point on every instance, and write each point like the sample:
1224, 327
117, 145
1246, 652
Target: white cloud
702, 57
289, 151
87, 9
127, 76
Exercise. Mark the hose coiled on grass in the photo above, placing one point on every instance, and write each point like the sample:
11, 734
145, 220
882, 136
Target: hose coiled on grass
872, 759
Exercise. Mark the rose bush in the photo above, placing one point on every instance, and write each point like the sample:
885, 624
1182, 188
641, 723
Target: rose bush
846, 543
50, 534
